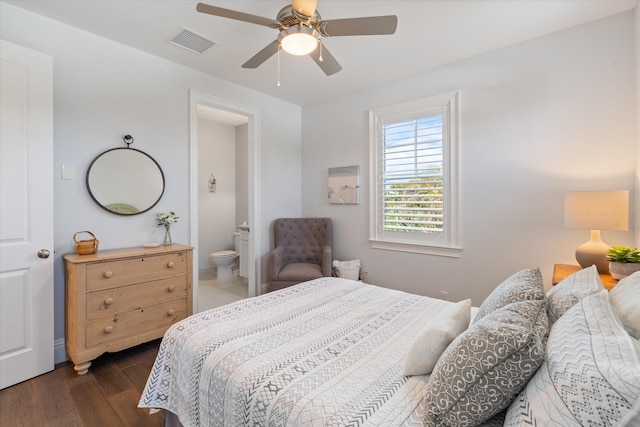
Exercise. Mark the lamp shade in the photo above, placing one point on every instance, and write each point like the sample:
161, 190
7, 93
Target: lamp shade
597, 210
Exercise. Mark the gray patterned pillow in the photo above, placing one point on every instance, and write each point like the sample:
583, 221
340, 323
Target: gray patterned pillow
496, 421
590, 376
522, 286
572, 289
483, 369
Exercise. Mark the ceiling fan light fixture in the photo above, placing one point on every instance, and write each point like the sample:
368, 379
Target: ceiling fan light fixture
300, 29
298, 40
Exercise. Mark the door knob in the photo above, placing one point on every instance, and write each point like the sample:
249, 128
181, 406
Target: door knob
43, 253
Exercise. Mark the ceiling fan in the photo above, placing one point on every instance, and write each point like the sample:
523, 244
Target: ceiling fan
300, 28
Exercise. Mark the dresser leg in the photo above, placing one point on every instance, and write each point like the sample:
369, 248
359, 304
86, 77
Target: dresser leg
82, 368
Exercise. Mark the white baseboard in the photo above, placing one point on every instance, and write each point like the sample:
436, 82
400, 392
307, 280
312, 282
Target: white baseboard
59, 351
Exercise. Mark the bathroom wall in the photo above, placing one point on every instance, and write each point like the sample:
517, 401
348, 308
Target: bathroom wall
216, 211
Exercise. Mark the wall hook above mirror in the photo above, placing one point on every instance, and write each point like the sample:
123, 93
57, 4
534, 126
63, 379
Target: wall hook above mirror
128, 139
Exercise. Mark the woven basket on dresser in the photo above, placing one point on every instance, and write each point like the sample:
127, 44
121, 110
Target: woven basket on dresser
86, 247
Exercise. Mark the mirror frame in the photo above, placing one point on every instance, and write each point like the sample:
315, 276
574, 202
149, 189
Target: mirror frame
95, 199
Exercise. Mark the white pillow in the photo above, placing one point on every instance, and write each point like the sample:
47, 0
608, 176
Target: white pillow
590, 374
625, 297
572, 289
435, 337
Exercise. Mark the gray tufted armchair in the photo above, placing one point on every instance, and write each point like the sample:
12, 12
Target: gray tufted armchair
303, 251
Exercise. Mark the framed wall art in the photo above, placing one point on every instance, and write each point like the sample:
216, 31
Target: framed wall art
344, 185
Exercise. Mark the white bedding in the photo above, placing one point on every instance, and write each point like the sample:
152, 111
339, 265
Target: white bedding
326, 352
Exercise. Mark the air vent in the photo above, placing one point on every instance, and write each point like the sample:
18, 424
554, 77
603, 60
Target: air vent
192, 41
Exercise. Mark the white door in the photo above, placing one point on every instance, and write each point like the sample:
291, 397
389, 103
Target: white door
26, 214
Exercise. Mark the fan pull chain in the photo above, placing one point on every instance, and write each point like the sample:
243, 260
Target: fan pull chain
320, 45
278, 83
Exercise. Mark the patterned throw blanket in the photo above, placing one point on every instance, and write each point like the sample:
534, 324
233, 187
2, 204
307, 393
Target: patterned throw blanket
329, 352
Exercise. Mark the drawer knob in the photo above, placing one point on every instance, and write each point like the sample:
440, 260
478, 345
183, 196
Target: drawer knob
171, 312
172, 288
108, 274
108, 329
171, 264
108, 301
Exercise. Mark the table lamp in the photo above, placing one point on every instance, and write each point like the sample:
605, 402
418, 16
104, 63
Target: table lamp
595, 211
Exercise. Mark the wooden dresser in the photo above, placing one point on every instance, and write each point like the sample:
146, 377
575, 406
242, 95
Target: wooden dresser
120, 298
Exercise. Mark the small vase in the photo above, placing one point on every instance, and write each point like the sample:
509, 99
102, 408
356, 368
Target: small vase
167, 236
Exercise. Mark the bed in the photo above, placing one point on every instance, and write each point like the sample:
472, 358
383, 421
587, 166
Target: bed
336, 352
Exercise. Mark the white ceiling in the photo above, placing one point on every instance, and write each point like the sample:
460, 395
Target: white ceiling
430, 33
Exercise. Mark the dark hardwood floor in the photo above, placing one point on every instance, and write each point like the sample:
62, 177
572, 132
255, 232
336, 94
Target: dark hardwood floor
106, 396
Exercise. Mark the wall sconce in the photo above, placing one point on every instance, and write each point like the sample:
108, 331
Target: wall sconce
595, 211
212, 184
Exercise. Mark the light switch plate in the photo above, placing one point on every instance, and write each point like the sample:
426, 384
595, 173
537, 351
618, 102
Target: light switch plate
68, 172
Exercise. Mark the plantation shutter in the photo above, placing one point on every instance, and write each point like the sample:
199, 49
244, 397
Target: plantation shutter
412, 176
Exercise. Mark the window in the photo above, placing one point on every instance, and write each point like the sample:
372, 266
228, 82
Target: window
414, 166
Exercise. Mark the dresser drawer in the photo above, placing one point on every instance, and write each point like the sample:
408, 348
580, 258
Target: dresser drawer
126, 298
135, 322
109, 274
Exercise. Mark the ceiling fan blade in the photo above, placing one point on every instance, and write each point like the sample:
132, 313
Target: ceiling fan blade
263, 55
328, 64
233, 14
304, 7
366, 26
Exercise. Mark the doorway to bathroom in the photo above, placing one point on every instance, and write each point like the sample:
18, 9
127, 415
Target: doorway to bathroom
222, 205
223, 184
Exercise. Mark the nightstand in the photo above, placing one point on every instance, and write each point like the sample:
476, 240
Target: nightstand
561, 271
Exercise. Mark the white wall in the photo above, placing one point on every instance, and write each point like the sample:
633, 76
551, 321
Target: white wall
217, 211
538, 119
104, 90
242, 174
637, 52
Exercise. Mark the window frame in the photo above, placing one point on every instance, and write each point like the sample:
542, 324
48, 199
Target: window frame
447, 243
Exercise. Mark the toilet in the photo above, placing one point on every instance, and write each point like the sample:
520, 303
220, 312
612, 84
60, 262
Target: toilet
225, 261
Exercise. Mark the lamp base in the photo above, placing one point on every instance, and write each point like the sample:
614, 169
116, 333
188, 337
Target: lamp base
593, 252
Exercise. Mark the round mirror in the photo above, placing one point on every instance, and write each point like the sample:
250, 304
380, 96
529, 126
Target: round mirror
125, 181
